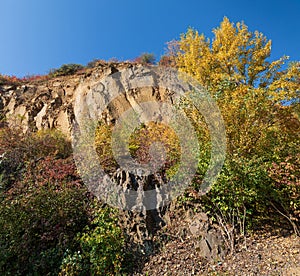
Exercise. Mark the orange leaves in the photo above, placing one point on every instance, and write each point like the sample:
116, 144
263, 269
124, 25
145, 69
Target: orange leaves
11, 80
153, 138
155, 134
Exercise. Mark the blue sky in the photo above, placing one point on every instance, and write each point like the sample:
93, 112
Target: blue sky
37, 35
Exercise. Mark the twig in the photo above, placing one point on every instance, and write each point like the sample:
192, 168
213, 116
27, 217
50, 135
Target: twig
296, 230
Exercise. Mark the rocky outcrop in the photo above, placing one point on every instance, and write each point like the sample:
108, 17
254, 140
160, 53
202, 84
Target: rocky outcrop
48, 104
36, 106
210, 242
64, 101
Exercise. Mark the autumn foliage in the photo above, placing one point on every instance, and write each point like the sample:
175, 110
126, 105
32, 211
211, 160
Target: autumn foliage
51, 225
259, 101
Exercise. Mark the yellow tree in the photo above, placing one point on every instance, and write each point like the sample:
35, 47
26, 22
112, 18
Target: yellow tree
250, 90
234, 66
235, 54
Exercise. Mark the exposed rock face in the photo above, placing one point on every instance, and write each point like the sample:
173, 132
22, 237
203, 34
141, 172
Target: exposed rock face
48, 104
40, 105
59, 102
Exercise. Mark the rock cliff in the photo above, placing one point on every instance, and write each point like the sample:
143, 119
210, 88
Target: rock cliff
62, 101
48, 104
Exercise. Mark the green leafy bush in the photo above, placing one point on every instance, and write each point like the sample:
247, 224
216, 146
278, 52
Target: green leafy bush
37, 225
66, 69
145, 58
43, 202
101, 247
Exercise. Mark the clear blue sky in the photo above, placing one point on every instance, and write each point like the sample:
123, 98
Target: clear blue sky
37, 35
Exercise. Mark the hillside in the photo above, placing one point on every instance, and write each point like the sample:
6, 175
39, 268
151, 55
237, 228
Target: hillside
181, 238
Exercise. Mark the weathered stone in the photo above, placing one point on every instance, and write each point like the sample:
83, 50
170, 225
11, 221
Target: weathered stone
60, 102
211, 244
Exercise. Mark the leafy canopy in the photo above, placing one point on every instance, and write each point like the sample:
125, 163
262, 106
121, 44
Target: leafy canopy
237, 55
250, 90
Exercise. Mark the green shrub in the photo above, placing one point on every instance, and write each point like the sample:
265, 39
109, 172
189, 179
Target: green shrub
145, 58
43, 202
37, 225
66, 69
241, 193
101, 247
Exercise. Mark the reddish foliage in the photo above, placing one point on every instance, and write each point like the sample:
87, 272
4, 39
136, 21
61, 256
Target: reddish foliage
145, 58
58, 172
287, 172
4, 79
167, 61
